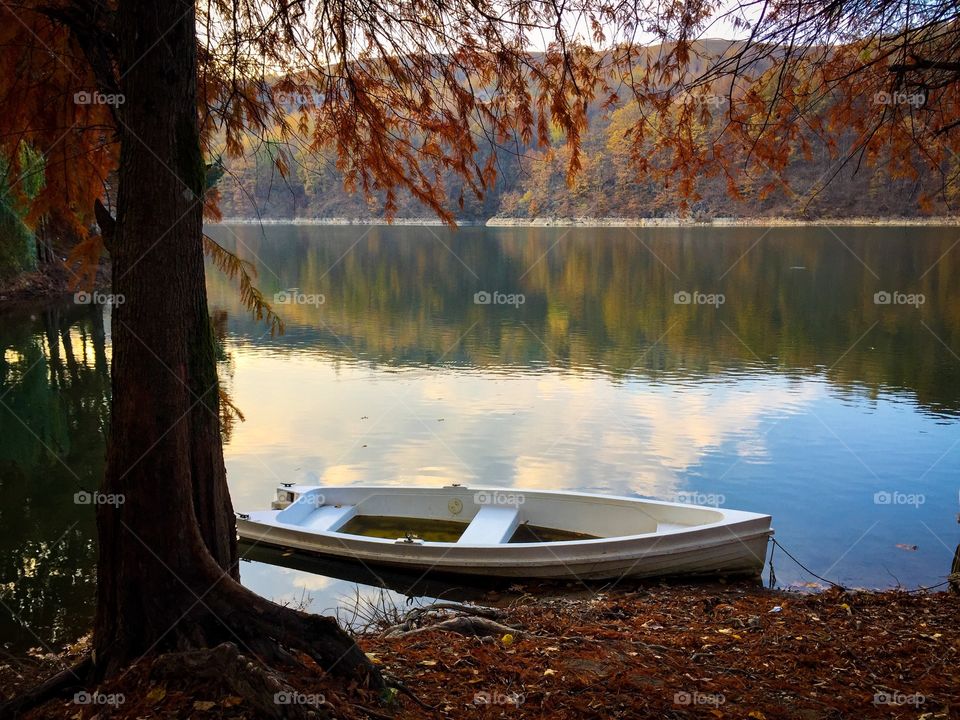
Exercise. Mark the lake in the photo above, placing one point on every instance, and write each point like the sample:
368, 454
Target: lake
809, 373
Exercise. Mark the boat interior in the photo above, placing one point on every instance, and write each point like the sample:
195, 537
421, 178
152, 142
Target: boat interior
479, 517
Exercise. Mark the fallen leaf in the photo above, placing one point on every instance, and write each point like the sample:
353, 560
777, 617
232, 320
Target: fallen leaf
203, 705
548, 672
372, 657
507, 640
156, 695
427, 663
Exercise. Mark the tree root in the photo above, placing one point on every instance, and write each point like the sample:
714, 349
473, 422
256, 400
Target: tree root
479, 615
464, 625
235, 637
394, 683
264, 691
478, 610
277, 634
60, 685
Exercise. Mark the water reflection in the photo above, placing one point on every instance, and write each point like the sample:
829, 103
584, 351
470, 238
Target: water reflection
797, 396
54, 408
797, 301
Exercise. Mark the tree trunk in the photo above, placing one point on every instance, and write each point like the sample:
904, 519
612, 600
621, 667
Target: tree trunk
167, 564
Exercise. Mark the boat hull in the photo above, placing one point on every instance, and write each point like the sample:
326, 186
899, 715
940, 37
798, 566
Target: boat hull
735, 543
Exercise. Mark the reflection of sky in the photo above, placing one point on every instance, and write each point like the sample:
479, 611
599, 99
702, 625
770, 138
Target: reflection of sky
792, 447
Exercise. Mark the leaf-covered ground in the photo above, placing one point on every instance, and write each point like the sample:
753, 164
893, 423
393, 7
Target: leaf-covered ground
663, 652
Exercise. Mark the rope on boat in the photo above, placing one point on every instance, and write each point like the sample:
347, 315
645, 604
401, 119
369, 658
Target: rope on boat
773, 576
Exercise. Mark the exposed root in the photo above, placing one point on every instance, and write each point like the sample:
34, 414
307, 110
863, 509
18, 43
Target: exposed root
264, 691
466, 625
234, 637
276, 634
434, 612
394, 683
60, 685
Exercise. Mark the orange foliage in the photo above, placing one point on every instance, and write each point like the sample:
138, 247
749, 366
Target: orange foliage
44, 87
403, 92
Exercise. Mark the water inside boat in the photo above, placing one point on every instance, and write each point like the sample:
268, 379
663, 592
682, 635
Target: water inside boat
389, 527
380, 526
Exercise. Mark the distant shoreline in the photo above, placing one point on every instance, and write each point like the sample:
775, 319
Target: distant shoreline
605, 222
342, 221
715, 222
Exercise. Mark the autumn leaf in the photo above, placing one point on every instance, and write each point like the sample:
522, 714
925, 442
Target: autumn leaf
156, 694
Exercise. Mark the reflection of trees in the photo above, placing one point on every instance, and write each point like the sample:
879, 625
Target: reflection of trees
229, 413
54, 408
398, 296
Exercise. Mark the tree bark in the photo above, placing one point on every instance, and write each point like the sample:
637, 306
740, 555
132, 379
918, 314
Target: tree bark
167, 564
151, 552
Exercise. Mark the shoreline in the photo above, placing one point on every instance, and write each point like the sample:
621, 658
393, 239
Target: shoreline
605, 222
53, 281
428, 221
654, 652
673, 222
47, 284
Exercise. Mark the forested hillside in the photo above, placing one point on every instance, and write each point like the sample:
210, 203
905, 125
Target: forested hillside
824, 179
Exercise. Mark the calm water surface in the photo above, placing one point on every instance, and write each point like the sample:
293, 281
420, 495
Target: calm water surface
783, 386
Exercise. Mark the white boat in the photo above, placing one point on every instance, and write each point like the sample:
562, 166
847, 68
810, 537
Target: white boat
497, 532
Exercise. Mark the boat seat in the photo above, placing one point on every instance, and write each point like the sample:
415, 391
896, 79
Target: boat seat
491, 526
329, 518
